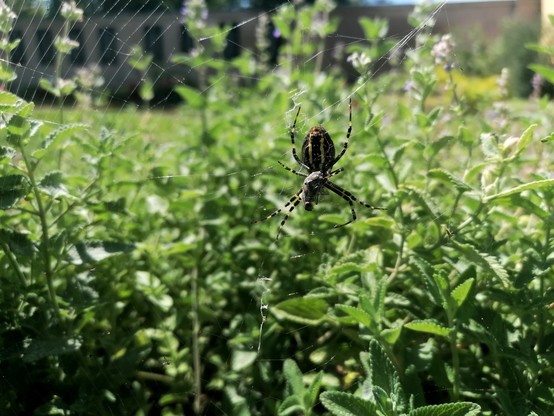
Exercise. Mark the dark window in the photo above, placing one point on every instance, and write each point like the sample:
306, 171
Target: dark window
45, 47
187, 43
18, 54
153, 42
108, 46
78, 54
232, 46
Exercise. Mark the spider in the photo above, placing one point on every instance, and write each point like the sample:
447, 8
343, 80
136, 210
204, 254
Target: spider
318, 158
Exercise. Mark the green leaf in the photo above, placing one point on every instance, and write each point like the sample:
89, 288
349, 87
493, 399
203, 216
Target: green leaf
358, 314
429, 275
242, 359
95, 251
448, 409
191, 95
448, 178
47, 86
13, 188
460, 292
549, 50
526, 138
380, 222
146, 90
428, 326
374, 29
344, 268
346, 404
61, 133
489, 145
18, 243
424, 200
293, 375
52, 185
313, 391
545, 71
7, 152
305, 310
391, 335
545, 183
382, 377
487, 262
289, 406
18, 129
49, 347
8, 99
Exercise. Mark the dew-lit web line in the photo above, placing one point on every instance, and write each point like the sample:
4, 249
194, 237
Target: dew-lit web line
31, 44
391, 52
120, 42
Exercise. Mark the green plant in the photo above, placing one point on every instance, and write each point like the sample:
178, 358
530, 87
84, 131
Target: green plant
382, 393
300, 398
140, 61
132, 280
61, 87
545, 71
514, 56
7, 16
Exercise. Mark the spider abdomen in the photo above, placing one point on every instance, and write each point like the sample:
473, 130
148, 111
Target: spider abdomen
311, 189
318, 150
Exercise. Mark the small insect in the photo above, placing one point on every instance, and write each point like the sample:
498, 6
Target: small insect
318, 159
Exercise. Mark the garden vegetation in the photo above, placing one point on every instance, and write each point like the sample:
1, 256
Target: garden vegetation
133, 282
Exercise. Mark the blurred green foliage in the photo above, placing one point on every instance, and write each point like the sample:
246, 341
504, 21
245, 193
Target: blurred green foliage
133, 282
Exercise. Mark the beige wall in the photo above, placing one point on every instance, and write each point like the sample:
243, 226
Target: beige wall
547, 8
529, 9
453, 17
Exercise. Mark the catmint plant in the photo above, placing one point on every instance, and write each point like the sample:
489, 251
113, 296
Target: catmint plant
443, 53
420, 63
141, 61
7, 17
262, 40
61, 87
502, 82
89, 82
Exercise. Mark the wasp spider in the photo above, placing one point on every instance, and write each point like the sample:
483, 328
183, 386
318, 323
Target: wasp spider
318, 159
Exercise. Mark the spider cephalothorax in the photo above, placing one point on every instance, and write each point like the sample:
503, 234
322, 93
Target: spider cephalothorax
318, 158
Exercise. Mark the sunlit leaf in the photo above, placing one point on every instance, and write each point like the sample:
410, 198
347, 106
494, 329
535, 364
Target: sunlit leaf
428, 326
359, 315
346, 404
460, 292
448, 409
545, 71
486, 261
61, 133
95, 251
448, 178
304, 310
545, 183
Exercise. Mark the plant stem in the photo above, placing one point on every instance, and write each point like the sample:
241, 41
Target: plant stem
45, 239
545, 264
59, 66
13, 262
455, 366
195, 343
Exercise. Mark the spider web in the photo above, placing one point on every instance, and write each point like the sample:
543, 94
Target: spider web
121, 83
